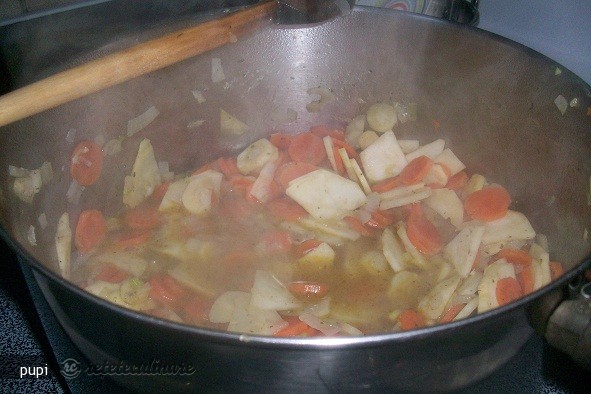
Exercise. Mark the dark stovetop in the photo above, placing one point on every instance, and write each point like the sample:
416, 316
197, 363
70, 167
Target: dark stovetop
31, 337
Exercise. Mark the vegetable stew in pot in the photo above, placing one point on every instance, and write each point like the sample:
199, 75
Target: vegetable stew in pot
332, 231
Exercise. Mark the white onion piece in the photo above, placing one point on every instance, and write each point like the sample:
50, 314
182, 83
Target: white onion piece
217, 71
561, 103
74, 192
31, 237
346, 328
198, 96
223, 307
63, 244
320, 309
431, 150
71, 135
381, 117
112, 147
195, 123
42, 221
142, 121
470, 284
261, 188
268, 293
326, 326
100, 139
17, 172
468, 309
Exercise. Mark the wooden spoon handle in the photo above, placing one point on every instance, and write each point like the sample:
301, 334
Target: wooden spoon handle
122, 66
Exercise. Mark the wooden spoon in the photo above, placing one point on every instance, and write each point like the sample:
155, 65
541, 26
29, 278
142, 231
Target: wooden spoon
138, 60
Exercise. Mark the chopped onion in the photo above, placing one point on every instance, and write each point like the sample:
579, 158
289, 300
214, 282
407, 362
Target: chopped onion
74, 192
326, 326
320, 309
326, 96
217, 71
142, 121
31, 236
17, 172
112, 147
198, 96
268, 293
561, 103
224, 306
261, 188
195, 123
71, 135
46, 172
42, 219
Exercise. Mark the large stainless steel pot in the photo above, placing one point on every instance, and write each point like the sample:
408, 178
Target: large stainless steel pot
494, 101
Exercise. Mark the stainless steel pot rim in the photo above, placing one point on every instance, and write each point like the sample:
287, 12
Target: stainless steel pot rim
290, 343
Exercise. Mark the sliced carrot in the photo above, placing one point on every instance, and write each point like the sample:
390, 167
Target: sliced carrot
508, 289
86, 163
197, 310
281, 141
386, 184
165, 289
526, 280
143, 217
158, 193
422, 233
297, 328
276, 242
356, 225
90, 230
292, 170
351, 152
133, 238
323, 131
451, 313
228, 166
556, 270
416, 170
307, 148
308, 290
110, 273
287, 209
380, 219
410, 319
241, 183
338, 161
515, 256
457, 181
488, 204
308, 245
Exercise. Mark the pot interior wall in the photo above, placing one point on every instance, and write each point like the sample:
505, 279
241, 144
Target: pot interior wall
493, 102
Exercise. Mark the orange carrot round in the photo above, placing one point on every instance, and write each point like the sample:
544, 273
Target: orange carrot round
323, 131
110, 273
307, 148
142, 217
526, 280
556, 269
281, 141
292, 170
488, 204
451, 313
508, 289
296, 328
357, 226
416, 170
515, 256
457, 181
303, 248
422, 233
410, 319
166, 290
387, 184
90, 230
287, 209
86, 163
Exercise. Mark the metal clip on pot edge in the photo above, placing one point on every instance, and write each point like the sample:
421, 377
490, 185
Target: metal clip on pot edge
569, 327
299, 12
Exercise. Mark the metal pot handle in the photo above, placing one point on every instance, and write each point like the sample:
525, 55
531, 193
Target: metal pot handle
569, 326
